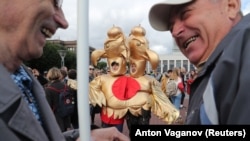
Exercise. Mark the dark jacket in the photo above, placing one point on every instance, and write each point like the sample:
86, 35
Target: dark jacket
17, 122
53, 100
221, 90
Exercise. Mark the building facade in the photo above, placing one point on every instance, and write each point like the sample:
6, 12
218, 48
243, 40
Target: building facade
172, 60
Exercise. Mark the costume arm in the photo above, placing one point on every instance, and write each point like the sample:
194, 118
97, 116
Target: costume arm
161, 106
96, 96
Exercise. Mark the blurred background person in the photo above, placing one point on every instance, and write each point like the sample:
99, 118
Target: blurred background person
72, 83
55, 81
43, 80
164, 81
176, 99
95, 110
183, 74
64, 73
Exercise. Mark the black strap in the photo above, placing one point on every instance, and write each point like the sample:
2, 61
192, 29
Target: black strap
54, 89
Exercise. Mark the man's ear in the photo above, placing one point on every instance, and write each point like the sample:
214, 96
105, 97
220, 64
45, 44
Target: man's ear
233, 8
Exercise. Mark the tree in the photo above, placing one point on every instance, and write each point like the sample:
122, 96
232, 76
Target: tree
51, 58
101, 65
70, 60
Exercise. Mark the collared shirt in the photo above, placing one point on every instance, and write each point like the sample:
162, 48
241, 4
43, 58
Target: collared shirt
24, 82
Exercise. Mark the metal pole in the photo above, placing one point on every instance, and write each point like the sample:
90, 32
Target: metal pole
62, 54
82, 69
62, 62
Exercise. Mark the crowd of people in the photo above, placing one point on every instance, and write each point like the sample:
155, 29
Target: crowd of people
59, 77
212, 34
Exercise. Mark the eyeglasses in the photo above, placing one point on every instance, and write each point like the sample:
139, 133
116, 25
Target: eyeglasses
91, 68
58, 3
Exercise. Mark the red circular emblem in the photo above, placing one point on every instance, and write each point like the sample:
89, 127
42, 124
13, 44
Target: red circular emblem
125, 87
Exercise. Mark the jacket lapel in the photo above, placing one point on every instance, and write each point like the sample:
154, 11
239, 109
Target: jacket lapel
22, 119
49, 122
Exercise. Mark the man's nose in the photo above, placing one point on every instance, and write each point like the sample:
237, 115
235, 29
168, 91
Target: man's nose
60, 19
177, 29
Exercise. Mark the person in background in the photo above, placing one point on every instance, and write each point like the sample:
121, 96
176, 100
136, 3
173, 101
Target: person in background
45, 74
176, 99
72, 83
43, 80
157, 75
91, 73
214, 36
64, 73
25, 113
165, 79
183, 90
54, 77
64, 68
94, 110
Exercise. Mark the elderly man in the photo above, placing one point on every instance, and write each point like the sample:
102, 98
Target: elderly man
24, 111
214, 36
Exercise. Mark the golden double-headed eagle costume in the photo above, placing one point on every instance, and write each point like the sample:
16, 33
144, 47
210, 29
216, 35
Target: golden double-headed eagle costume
119, 93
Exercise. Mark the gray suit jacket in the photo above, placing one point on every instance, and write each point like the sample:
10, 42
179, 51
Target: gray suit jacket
16, 119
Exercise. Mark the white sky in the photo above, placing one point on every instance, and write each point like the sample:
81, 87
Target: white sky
103, 14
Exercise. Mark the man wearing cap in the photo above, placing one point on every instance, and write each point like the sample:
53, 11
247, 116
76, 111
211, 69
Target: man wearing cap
214, 36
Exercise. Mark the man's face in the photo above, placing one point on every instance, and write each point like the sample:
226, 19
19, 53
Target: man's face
132, 68
26, 24
91, 70
199, 26
115, 67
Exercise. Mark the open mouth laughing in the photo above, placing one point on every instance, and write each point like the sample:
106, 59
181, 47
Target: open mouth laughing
46, 32
190, 40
